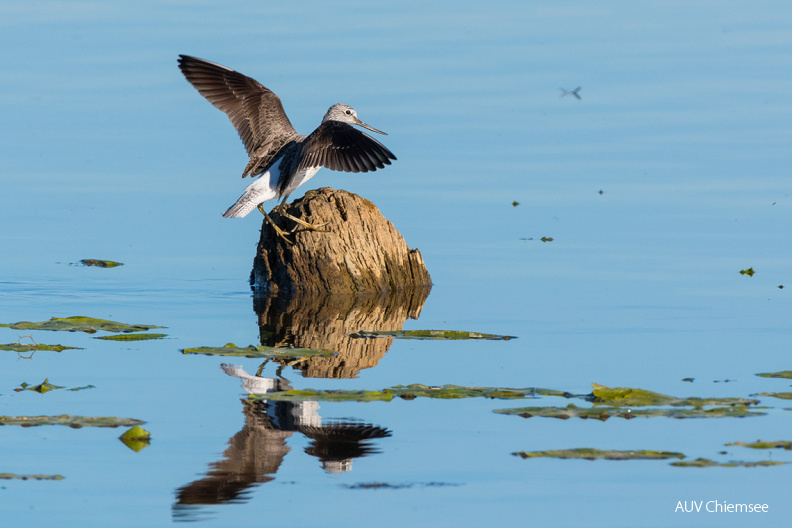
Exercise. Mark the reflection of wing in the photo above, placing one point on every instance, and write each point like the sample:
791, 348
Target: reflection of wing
345, 432
339, 146
256, 113
337, 444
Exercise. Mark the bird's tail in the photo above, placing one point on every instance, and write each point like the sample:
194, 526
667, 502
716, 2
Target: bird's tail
239, 209
257, 192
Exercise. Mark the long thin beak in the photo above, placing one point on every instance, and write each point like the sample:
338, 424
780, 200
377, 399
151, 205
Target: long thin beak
364, 125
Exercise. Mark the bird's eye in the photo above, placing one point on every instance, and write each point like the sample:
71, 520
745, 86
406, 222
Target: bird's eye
348, 112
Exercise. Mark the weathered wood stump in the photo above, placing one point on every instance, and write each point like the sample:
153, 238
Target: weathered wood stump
360, 251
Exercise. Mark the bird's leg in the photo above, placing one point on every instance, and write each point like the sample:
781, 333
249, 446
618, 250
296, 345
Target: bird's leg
261, 368
277, 229
312, 227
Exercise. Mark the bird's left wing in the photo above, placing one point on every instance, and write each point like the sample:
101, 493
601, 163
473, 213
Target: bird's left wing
339, 146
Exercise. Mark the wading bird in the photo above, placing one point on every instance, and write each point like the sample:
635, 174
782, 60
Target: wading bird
282, 158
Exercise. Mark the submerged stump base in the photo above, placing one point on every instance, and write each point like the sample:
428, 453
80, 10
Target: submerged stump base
360, 251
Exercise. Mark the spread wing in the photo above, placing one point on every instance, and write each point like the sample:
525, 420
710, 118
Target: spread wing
339, 146
256, 113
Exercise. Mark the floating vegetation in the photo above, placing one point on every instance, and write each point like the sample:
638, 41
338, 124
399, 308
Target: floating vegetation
78, 323
765, 444
96, 263
750, 272
595, 454
41, 388
328, 396
786, 374
69, 420
46, 386
604, 413
779, 395
628, 403
705, 462
430, 334
623, 396
136, 438
456, 391
231, 350
131, 337
407, 392
546, 239
11, 476
386, 485
24, 347
75, 389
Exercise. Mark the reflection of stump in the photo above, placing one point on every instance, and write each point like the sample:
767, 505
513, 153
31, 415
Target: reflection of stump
325, 322
361, 252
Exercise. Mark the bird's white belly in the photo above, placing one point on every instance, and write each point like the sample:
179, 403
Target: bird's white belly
300, 177
265, 188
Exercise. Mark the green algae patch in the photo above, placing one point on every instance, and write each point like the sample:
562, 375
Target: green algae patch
264, 352
597, 454
24, 348
75, 389
136, 438
779, 395
407, 392
456, 391
387, 485
14, 476
41, 388
765, 444
623, 396
705, 462
786, 374
325, 396
89, 325
132, 337
431, 334
97, 263
46, 386
605, 413
628, 397
69, 420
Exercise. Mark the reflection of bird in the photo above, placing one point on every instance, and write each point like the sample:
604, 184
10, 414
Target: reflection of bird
335, 443
571, 92
282, 158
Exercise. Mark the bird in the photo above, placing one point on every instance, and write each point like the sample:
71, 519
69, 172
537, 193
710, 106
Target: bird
565, 92
281, 159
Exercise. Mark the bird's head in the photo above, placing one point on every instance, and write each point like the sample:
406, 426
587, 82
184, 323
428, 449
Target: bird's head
346, 114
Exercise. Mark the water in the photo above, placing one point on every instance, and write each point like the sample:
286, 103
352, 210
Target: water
683, 126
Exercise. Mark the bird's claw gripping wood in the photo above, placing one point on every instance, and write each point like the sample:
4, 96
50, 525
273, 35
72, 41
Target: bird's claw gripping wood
281, 233
312, 227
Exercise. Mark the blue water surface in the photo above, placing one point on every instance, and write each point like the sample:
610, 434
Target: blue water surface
659, 185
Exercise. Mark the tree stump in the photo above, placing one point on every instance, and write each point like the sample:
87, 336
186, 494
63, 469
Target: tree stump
360, 252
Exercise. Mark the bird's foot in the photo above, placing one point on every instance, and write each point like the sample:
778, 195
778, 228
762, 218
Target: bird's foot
281, 233
307, 225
